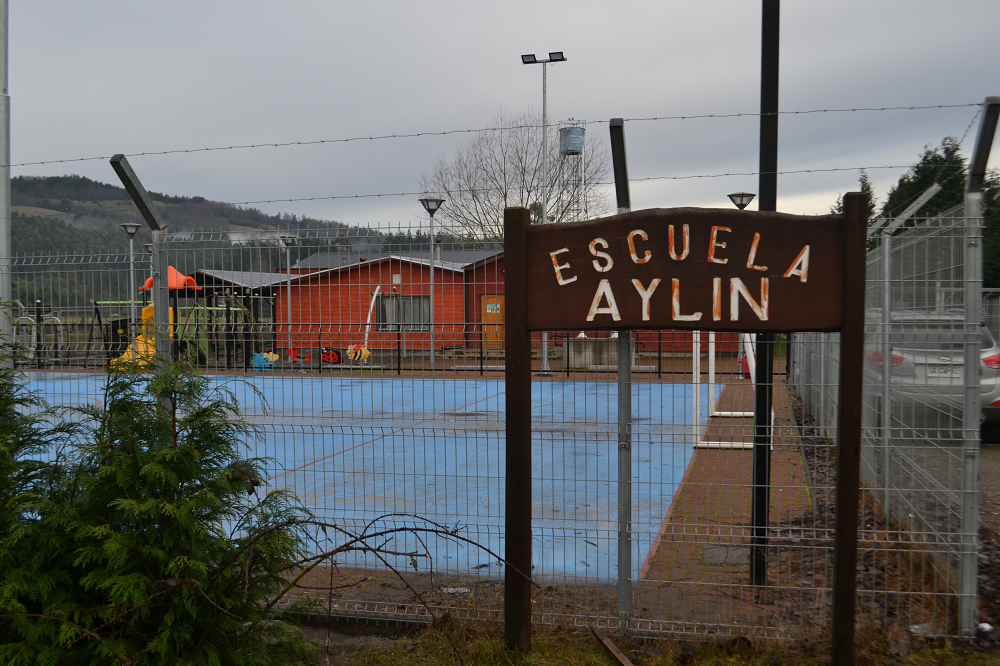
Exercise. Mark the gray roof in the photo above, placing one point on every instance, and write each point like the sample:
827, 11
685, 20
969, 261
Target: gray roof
328, 260
246, 279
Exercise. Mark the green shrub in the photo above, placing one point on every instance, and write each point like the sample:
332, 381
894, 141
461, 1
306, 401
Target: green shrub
137, 533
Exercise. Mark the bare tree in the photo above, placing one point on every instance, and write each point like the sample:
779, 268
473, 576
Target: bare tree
502, 167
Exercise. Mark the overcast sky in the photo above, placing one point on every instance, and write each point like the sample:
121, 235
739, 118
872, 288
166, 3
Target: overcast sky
95, 78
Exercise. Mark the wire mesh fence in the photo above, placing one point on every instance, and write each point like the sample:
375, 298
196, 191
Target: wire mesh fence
921, 416
380, 360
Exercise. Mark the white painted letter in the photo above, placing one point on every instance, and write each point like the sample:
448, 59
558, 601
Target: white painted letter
736, 289
631, 246
604, 291
559, 268
716, 299
677, 305
646, 293
800, 266
753, 254
713, 243
686, 233
597, 253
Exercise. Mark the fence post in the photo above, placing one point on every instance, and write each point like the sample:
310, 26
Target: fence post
852, 341
624, 478
973, 275
886, 408
517, 350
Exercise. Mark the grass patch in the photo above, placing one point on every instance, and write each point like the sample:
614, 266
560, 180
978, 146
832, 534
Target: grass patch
483, 645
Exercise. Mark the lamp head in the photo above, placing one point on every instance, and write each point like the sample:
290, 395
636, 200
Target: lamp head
130, 228
431, 205
528, 59
148, 247
556, 56
741, 199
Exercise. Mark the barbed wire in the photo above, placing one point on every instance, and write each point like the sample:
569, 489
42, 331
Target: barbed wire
410, 135
381, 195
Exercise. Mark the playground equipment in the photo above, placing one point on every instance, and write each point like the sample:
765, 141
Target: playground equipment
142, 350
39, 337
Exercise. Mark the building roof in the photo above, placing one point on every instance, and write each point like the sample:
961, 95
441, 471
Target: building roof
245, 279
328, 260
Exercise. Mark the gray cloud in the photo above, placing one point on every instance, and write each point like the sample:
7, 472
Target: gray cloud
98, 78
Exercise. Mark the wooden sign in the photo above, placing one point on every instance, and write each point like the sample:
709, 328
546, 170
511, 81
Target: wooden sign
688, 268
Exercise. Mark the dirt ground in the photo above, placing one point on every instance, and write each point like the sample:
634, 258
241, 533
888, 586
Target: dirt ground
989, 534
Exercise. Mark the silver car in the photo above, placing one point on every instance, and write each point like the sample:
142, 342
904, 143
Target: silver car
927, 360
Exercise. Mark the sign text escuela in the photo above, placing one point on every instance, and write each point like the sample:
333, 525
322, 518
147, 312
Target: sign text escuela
702, 269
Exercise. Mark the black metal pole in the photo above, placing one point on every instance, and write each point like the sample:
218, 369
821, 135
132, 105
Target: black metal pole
620, 165
767, 200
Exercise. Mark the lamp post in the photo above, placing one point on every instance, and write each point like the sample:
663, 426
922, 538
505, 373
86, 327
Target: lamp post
287, 241
431, 206
530, 59
130, 228
741, 199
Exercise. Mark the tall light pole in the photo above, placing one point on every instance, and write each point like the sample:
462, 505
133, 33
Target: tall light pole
130, 228
287, 241
530, 59
431, 206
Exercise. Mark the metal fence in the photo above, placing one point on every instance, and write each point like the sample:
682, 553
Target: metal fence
920, 438
381, 359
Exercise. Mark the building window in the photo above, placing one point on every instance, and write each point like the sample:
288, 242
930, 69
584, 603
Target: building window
403, 313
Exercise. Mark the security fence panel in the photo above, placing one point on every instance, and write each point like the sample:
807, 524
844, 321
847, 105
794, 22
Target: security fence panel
914, 441
380, 404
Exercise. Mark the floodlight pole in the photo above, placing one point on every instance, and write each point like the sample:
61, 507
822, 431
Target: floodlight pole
6, 294
545, 370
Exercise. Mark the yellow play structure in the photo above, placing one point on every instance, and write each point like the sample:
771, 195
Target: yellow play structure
142, 351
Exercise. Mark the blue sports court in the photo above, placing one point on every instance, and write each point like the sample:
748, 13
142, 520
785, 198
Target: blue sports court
354, 450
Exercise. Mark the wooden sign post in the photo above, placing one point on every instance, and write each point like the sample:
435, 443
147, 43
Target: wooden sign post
682, 268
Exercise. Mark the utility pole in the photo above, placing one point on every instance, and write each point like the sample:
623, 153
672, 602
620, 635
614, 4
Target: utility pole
6, 261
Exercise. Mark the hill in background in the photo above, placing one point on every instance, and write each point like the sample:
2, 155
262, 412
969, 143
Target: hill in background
77, 214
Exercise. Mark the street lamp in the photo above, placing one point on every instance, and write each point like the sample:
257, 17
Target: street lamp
130, 228
741, 199
287, 241
431, 206
530, 59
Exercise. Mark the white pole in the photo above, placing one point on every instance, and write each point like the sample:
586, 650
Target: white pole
6, 295
288, 290
711, 374
432, 292
696, 377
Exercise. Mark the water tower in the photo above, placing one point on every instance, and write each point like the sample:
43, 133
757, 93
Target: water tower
572, 202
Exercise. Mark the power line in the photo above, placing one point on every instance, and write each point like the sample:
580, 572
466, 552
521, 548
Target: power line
382, 137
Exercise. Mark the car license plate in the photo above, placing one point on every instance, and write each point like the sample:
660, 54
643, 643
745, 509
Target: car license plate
944, 371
